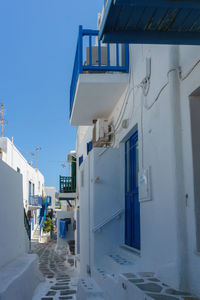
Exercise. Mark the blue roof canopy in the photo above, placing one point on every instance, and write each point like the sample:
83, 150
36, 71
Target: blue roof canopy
151, 22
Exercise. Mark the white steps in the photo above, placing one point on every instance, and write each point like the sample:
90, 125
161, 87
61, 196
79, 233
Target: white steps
19, 278
89, 290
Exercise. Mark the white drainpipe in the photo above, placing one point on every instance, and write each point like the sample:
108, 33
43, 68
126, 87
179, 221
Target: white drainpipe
177, 160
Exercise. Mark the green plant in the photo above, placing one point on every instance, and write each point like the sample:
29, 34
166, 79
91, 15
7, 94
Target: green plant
48, 224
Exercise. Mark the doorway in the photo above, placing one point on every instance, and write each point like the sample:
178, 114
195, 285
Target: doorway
132, 205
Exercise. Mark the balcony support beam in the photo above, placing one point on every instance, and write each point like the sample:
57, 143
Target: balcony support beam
152, 37
193, 4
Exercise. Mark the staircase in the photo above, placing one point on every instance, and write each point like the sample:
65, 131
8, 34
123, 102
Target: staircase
36, 233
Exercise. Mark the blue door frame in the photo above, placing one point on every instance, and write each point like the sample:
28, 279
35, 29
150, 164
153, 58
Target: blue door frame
132, 205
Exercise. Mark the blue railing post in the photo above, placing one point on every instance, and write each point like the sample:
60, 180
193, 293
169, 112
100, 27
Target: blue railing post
80, 50
90, 50
127, 57
117, 54
108, 55
99, 52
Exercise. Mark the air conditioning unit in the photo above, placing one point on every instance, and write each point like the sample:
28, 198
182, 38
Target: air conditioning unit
95, 56
102, 130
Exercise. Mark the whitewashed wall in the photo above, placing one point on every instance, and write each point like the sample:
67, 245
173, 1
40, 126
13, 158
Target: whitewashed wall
70, 232
168, 230
14, 159
51, 191
12, 234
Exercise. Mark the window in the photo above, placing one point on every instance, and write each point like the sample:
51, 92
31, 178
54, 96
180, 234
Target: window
18, 170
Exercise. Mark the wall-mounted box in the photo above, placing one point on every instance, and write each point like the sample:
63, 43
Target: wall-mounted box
145, 185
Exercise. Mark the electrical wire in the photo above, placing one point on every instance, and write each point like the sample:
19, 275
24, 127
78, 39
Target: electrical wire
165, 85
189, 72
160, 92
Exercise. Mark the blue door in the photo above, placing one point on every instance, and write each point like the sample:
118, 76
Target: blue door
132, 205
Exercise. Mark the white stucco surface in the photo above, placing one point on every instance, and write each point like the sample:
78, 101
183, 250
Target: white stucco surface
12, 234
163, 120
12, 156
70, 233
51, 191
19, 278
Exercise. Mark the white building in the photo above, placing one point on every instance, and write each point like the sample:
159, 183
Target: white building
138, 184
33, 180
16, 265
67, 197
53, 193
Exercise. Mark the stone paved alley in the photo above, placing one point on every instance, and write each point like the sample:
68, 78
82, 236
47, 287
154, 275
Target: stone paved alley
58, 279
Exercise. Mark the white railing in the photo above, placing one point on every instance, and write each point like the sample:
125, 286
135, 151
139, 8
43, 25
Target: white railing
108, 220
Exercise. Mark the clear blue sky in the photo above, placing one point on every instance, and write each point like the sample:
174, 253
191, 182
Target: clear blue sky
37, 48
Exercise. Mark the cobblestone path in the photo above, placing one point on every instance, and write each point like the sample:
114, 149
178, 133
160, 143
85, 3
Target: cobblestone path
60, 280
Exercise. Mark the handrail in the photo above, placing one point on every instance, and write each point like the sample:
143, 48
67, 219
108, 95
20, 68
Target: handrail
108, 220
27, 225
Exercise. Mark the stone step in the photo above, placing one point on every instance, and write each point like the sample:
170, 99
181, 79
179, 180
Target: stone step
89, 290
145, 285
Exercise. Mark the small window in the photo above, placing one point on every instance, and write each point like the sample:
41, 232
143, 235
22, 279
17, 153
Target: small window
80, 160
89, 147
18, 170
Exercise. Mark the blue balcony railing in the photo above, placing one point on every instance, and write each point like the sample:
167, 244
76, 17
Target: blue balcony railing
96, 58
35, 200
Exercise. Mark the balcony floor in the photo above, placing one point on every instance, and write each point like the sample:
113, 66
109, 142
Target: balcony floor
96, 96
70, 196
33, 207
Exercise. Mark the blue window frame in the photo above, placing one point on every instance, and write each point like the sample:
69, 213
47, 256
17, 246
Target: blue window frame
132, 205
89, 147
80, 160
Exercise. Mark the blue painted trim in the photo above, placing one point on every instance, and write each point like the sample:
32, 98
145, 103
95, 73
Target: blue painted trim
160, 3
153, 37
80, 160
104, 68
99, 52
117, 54
90, 50
80, 49
108, 55
89, 146
133, 21
132, 204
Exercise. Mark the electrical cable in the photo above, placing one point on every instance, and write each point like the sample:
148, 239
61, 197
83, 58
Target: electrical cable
160, 92
189, 72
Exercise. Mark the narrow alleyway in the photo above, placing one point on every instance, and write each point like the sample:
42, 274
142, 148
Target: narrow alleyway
58, 279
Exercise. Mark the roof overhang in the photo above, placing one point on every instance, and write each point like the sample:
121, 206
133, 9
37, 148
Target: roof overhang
151, 22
